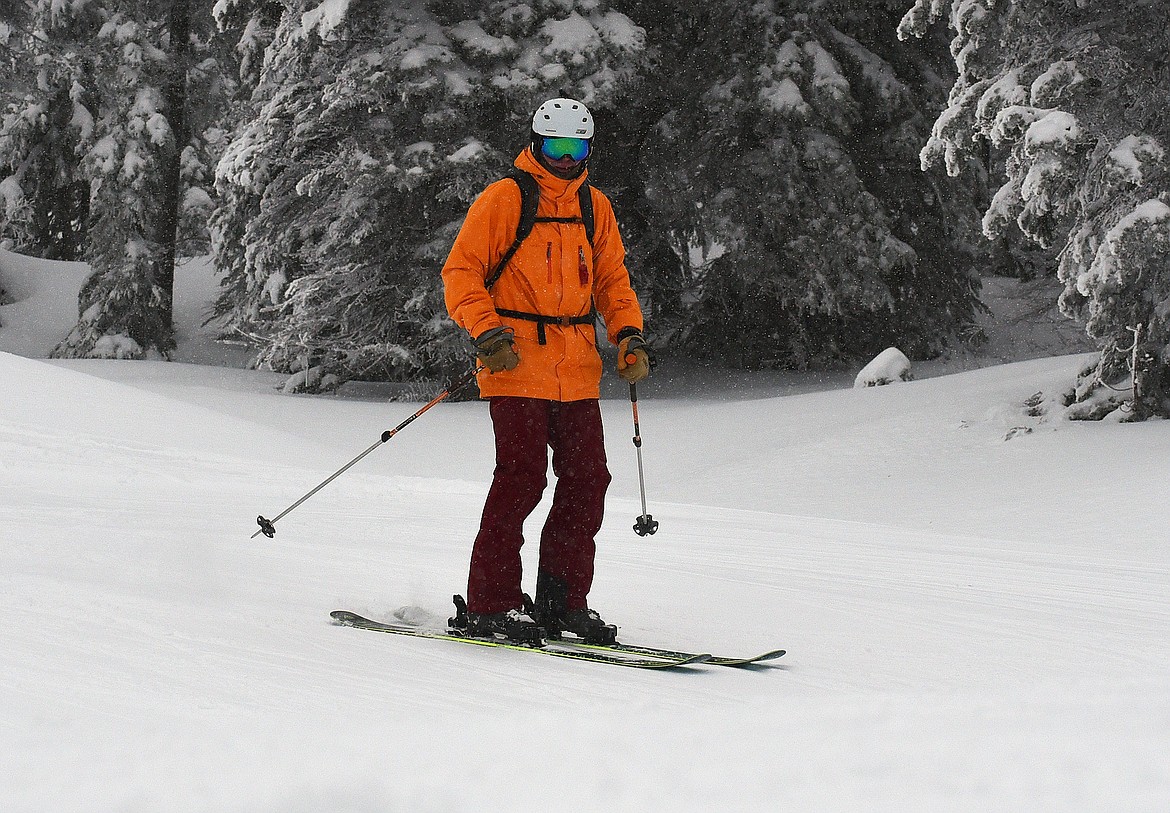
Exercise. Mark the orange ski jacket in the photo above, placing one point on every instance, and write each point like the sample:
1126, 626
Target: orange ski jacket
555, 273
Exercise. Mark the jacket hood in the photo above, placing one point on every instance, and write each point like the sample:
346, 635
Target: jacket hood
550, 185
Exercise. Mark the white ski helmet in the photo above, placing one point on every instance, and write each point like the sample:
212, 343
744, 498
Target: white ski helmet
561, 118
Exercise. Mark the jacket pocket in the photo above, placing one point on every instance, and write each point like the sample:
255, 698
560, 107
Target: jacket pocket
582, 267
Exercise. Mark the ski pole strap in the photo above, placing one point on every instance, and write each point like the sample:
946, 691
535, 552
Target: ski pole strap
542, 321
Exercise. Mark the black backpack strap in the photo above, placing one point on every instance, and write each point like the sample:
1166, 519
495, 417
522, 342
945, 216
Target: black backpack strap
585, 201
529, 202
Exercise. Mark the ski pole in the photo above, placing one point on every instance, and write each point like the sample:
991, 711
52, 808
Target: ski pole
268, 526
645, 524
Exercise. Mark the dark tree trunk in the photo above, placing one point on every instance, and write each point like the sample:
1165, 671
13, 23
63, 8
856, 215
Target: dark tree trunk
171, 187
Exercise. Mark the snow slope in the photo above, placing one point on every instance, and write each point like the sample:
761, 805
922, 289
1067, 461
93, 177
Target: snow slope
973, 623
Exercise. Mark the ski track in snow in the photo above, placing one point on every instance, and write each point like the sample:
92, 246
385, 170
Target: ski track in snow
156, 658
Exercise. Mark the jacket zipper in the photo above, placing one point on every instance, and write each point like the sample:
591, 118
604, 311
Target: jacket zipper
548, 261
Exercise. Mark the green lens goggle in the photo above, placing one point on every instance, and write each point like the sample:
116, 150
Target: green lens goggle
556, 148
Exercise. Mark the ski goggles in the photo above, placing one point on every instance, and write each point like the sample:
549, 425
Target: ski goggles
559, 147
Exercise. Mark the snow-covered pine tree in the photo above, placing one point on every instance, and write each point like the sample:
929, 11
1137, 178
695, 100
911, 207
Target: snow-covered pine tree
375, 126
43, 77
137, 156
898, 89
1077, 93
124, 70
249, 26
777, 157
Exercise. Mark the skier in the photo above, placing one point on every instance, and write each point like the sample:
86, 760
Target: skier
528, 300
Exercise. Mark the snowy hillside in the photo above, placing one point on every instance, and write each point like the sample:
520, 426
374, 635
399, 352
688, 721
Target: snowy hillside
972, 622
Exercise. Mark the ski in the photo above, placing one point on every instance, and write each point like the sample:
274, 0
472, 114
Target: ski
553, 648
634, 649
415, 618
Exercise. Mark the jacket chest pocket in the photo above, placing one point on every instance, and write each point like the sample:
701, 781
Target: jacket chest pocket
583, 270
557, 259
582, 259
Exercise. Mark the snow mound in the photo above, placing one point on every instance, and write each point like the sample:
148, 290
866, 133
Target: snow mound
39, 309
41, 301
889, 366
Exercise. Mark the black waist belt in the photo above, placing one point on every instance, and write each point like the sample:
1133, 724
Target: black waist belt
542, 321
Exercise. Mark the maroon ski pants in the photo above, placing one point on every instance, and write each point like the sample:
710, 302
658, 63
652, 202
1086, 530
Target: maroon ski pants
525, 429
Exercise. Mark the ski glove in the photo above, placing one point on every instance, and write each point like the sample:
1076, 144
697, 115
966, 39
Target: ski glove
634, 360
495, 351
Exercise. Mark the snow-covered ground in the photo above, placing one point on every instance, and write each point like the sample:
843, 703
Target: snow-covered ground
972, 622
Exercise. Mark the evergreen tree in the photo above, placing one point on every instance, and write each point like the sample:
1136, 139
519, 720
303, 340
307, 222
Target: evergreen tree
103, 149
141, 157
375, 125
43, 84
1076, 93
789, 224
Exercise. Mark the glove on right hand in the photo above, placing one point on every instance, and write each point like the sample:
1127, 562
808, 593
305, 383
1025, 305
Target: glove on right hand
495, 350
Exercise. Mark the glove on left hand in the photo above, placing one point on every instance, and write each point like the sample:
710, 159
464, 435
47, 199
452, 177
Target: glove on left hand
634, 360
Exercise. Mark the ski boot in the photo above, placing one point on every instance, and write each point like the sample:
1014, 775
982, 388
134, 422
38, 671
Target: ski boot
516, 626
550, 611
587, 625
